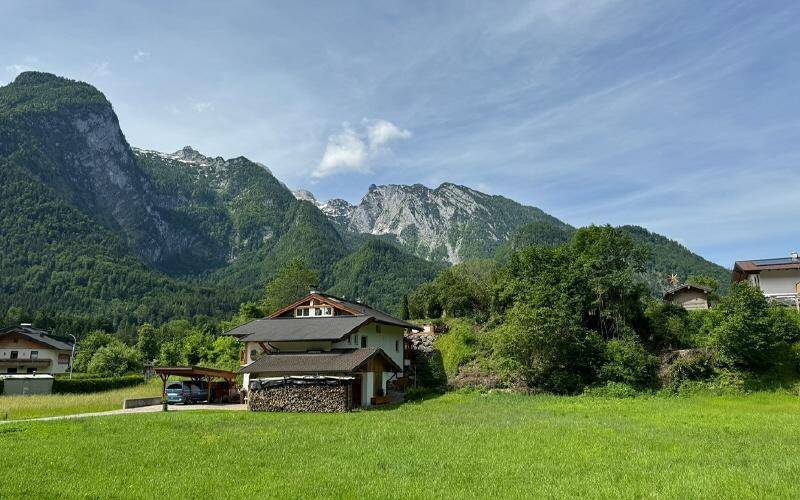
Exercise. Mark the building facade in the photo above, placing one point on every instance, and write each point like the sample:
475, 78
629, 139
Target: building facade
323, 335
778, 279
690, 297
25, 350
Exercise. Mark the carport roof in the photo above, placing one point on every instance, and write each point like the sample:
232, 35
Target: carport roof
195, 372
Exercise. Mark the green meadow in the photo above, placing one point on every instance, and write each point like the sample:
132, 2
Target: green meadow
459, 445
49, 405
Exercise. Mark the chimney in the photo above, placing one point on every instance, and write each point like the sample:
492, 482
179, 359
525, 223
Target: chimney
794, 255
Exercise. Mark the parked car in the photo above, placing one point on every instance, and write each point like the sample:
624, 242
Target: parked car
186, 392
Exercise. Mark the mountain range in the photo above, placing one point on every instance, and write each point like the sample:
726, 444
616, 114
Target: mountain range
94, 226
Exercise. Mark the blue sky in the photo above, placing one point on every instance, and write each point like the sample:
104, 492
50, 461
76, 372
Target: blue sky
683, 117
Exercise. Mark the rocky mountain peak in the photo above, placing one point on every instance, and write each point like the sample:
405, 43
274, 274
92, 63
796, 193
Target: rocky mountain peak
304, 195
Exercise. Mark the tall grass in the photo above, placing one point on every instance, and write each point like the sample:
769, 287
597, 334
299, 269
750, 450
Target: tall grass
20, 407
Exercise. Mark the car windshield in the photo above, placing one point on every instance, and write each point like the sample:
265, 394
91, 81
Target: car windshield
174, 388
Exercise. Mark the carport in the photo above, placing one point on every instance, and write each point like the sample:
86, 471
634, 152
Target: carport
195, 373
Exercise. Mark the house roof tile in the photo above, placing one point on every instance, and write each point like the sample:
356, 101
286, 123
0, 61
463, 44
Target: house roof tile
344, 361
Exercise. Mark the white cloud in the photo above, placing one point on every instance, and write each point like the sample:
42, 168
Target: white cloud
202, 107
141, 56
351, 150
381, 132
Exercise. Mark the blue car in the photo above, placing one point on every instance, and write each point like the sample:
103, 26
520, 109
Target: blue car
186, 392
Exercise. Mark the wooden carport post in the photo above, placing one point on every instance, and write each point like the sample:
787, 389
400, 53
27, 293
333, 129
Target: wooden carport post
208, 379
164, 377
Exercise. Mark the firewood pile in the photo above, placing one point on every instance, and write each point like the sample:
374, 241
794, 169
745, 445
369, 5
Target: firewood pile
301, 398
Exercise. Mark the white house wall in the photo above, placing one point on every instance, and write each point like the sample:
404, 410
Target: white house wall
778, 282
43, 354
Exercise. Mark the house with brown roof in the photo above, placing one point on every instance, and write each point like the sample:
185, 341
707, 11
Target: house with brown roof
322, 335
778, 279
24, 349
690, 297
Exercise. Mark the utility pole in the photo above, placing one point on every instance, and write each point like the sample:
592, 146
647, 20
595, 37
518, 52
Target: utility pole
72, 356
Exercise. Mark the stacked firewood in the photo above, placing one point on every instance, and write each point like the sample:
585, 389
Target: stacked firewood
306, 398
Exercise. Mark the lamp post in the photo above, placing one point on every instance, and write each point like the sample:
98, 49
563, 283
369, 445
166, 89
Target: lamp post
72, 356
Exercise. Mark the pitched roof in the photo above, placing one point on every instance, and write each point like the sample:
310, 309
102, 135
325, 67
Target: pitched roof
289, 329
349, 306
754, 266
323, 362
687, 286
379, 316
37, 335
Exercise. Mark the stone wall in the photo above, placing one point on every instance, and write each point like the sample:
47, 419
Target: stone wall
306, 398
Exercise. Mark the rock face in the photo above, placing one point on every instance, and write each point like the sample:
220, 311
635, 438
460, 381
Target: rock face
448, 224
84, 156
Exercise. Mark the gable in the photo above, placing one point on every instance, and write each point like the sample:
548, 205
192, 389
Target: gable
14, 340
314, 305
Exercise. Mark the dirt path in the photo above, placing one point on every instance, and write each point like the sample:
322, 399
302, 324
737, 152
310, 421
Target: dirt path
143, 409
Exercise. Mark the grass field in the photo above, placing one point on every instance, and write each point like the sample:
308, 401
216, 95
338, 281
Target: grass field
455, 446
20, 407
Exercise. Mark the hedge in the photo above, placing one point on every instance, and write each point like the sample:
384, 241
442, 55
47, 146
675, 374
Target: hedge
87, 385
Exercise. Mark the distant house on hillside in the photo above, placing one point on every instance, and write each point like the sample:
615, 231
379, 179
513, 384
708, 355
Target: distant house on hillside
777, 279
322, 335
690, 297
27, 350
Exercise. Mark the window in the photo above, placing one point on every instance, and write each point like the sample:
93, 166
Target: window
11, 370
363, 341
34, 354
378, 328
14, 355
31, 370
396, 346
302, 312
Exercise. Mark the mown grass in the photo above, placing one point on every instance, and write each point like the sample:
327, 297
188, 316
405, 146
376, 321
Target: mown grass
21, 407
454, 446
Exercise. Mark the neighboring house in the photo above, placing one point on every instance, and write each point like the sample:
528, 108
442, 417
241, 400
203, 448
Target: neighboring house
27, 350
777, 279
690, 297
324, 335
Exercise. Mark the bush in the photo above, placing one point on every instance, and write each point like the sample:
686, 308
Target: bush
628, 362
2, 386
549, 348
742, 331
612, 390
115, 359
691, 368
724, 383
430, 370
458, 347
88, 385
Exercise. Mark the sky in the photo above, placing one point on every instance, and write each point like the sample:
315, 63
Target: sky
680, 116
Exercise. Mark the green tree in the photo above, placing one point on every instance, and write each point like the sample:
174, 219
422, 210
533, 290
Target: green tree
171, 353
225, 353
292, 282
741, 331
88, 346
115, 358
404, 312
148, 342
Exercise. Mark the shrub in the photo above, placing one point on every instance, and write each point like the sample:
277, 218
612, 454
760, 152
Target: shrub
691, 368
552, 351
87, 385
724, 383
611, 390
742, 332
2, 386
628, 362
458, 347
430, 370
115, 359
